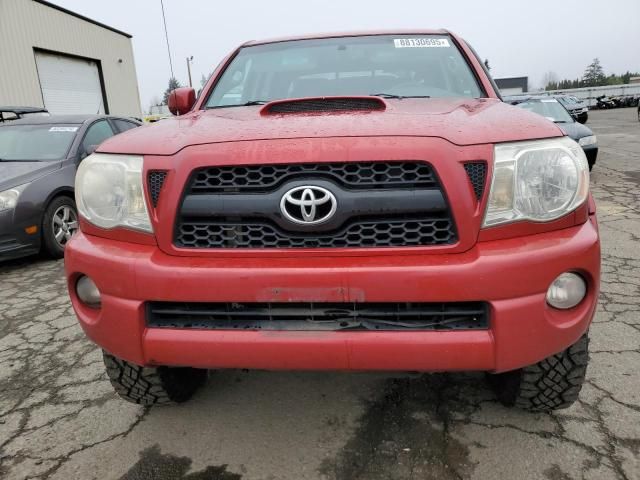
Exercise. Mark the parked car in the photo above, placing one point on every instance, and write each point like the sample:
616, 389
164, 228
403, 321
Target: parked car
38, 160
552, 109
15, 113
639, 111
367, 203
576, 107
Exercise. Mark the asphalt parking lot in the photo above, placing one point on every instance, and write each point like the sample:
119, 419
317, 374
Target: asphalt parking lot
59, 418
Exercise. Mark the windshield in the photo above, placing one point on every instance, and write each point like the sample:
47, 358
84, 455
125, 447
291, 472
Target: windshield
394, 65
549, 108
35, 142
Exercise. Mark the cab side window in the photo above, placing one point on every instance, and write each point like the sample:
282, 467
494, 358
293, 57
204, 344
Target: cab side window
124, 125
96, 134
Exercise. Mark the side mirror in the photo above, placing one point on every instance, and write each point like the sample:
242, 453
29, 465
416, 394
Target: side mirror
181, 100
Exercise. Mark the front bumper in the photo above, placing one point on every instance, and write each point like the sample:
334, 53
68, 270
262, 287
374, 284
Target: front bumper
591, 152
512, 275
14, 241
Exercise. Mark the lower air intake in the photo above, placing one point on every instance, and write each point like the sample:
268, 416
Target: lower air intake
318, 316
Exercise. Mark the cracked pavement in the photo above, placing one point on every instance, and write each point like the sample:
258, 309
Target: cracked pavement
59, 418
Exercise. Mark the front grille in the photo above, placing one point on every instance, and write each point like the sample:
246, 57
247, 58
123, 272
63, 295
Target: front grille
256, 178
387, 233
477, 172
318, 316
156, 180
325, 105
379, 204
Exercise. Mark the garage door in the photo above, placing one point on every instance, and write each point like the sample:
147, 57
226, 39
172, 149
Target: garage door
511, 91
69, 85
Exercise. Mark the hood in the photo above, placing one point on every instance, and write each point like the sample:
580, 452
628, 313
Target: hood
13, 174
575, 130
460, 121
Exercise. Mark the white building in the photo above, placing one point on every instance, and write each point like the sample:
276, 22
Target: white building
52, 57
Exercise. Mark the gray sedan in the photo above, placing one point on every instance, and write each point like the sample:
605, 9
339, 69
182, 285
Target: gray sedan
38, 161
553, 110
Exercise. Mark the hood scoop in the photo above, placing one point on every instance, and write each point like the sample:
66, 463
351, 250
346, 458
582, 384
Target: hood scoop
323, 105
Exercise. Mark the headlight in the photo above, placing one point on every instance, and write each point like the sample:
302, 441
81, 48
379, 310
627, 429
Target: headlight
538, 180
109, 192
9, 198
590, 140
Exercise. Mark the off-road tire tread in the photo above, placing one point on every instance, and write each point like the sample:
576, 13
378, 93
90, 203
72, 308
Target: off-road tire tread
152, 386
551, 384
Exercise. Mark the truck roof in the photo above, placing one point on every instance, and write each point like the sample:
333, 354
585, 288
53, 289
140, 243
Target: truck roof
357, 33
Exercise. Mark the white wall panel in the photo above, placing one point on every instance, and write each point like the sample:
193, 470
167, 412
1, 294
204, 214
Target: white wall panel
26, 25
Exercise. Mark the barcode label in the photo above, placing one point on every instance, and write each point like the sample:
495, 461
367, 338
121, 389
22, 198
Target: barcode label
420, 42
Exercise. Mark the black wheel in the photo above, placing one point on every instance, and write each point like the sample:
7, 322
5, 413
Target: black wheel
59, 223
152, 386
639, 114
551, 384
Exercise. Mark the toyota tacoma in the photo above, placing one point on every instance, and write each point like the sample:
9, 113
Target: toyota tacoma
360, 201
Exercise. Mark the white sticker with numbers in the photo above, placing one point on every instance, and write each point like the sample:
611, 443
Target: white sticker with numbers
420, 42
63, 129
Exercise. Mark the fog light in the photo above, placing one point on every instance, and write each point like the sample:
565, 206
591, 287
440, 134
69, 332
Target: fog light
566, 291
88, 292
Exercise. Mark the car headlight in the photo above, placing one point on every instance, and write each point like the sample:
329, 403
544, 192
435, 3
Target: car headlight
9, 198
109, 192
538, 180
586, 141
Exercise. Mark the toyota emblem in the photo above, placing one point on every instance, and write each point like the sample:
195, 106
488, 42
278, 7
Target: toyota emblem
308, 205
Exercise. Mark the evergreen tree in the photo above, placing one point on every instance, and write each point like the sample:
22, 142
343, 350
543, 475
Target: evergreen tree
173, 84
594, 75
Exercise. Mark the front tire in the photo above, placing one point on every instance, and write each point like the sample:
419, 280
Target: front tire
550, 384
152, 386
59, 224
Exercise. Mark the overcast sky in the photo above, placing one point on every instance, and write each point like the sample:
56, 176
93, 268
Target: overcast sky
562, 36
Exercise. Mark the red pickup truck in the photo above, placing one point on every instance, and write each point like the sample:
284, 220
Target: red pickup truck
360, 201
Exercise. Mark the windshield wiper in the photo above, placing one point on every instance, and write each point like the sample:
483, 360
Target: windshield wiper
399, 97
246, 104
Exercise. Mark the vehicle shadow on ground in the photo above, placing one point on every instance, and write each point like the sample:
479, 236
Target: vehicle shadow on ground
9, 266
355, 426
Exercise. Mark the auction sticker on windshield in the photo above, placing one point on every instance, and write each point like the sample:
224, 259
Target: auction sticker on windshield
63, 129
420, 42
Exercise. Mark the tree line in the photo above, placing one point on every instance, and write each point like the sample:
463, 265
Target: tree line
593, 76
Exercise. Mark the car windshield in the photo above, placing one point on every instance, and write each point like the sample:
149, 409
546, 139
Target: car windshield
549, 108
35, 142
391, 65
